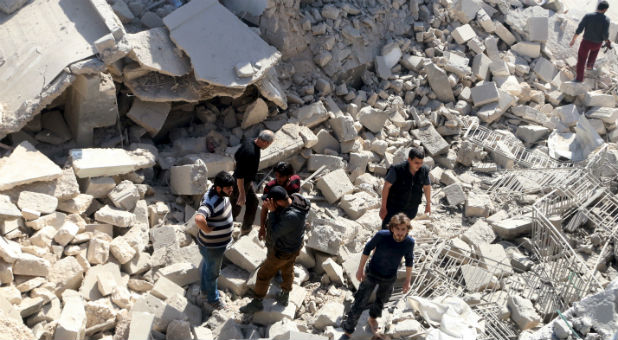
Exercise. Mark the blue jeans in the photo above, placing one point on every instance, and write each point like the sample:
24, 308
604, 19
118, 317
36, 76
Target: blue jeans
210, 268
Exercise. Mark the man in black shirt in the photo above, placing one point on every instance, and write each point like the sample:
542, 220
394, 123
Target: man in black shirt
596, 30
403, 188
247, 162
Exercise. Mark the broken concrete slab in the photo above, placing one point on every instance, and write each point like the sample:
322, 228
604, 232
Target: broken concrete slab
189, 179
8, 210
455, 194
149, 115
202, 23
287, 143
76, 205
154, 51
72, 321
235, 279
485, 93
246, 254
255, 113
511, 228
109, 162
163, 312
545, 70
31, 265
117, 217
523, 312
431, 140
36, 73
156, 87
35, 201
311, 115
463, 33
26, 165
597, 98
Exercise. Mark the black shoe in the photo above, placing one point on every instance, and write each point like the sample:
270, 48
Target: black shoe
252, 307
283, 297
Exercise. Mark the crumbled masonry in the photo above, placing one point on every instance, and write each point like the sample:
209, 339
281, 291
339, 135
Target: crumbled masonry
116, 115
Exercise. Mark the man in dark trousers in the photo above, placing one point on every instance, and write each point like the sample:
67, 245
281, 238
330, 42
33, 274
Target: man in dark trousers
285, 231
247, 162
284, 177
404, 186
389, 247
596, 30
215, 224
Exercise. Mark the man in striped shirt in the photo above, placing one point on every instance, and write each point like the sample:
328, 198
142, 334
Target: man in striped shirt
215, 223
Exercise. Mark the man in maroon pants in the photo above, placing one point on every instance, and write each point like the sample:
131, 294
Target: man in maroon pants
596, 30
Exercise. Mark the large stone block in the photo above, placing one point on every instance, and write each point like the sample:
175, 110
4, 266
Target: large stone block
324, 239
235, 279
431, 140
125, 195
495, 258
357, 204
538, 28
372, 119
72, 322
512, 228
181, 273
117, 217
523, 312
66, 273
545, 70
163, 312
463, 33
45, 204
287, 143
31, 265
255, 113
485, 94
311, 115
26, 165
109, 162
335, 185
438, 80
246, 253
189, 179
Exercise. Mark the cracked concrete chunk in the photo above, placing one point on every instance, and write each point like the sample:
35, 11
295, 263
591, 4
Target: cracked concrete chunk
26, 165
154, 51
198, 26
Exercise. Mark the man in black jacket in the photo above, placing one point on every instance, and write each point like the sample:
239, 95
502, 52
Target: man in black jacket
285, 231
247, 162
596, 30
404, 186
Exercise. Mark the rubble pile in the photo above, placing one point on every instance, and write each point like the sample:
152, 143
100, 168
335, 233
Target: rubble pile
110, 141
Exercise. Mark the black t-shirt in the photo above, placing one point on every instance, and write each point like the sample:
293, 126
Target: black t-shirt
596, 26
406, 189
247, 160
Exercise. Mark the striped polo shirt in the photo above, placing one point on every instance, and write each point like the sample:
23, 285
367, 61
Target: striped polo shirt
218, 213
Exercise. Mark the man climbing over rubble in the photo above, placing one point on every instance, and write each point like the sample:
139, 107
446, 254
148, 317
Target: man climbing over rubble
596, 30
214, 220
403, 187
389, 247
247, 162
284, 177
285, 230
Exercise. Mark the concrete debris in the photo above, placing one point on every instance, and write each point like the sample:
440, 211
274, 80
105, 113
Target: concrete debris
101, 242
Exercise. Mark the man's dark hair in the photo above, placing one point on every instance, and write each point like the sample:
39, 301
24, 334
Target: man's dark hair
603, 5
416, 153
284, 169
224, 179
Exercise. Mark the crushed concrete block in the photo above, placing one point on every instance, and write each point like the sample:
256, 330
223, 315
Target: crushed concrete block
357, 204
164, 313
335, 185
181, 273
9, 251
333, 270
89, 287
8, 210
343, 127
6, 273
476, 278
91, 103
454, 194
531, 134
568, 114
149, 115
234, 278
325, 141
246, 254
527, 49
105, 285
98, 249
538, 28
66, 233
545, 70
571, 88
55, 220
109, 162
66, 273
372, 119
43, 238
31, 265
164, 237
598, 98
478, 205
98, 187
438, 80
274, 312
607, 115
113, 216
124, 195
323, 238
466, 10
512, 228
179, 330
311, 115
165, 288
505, 34
26, 165
138, 264
330, 162
494, 256
255, 113
485, 94
122, 250
479, 233
328, 315
431, 140
76, 205
141, 325
463, 33
35, 201
287, 143
72, 321
485, 21
7, 226
480, 66
523, 312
